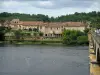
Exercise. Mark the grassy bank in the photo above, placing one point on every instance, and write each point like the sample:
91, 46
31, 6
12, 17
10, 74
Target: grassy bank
41, 42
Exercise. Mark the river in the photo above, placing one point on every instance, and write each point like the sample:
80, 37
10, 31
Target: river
43, 60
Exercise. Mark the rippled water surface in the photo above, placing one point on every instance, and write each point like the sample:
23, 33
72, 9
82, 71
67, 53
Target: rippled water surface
43, 60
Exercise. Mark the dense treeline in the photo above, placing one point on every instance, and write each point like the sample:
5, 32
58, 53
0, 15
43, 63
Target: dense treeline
95, 23
40, 17
79, 16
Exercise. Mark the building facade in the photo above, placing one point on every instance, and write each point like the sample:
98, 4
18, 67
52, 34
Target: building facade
50, 29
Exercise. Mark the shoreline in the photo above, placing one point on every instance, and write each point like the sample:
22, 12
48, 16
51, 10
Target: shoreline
55, 43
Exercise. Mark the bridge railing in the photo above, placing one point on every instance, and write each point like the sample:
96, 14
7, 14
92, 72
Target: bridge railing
96, 36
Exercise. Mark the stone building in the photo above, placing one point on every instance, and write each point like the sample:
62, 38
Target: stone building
50, 29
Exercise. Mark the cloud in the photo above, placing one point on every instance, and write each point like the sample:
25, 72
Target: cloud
13, 6
58, 4
49, 7
95, 6
45, 3
55, 4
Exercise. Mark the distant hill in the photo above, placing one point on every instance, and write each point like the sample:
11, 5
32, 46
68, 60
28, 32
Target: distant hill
40, 17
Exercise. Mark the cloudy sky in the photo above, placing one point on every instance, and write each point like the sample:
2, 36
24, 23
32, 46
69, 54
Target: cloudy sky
49, 7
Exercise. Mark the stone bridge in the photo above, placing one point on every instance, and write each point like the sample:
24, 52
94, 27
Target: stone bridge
94, 40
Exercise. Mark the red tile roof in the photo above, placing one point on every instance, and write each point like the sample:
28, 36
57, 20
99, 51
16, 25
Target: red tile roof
75, 24
32, 23
68, 24
51, 24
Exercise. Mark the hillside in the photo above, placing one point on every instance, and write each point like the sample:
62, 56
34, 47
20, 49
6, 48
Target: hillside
40, 17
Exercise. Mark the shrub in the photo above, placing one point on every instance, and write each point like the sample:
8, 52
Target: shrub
73, 37
82, 40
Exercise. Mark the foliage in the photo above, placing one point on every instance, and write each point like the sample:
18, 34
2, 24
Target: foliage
35, 29
2, 33
40, 34
35, 34
30, 29
93, 17
24, 17
72, 37
95, 22
86, 30
82, 40
17, 34
40, 17
3, 30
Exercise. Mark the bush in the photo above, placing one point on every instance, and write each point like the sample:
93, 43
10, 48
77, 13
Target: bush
82, 40
74, 37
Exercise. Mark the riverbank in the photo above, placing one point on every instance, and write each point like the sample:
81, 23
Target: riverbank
46, 42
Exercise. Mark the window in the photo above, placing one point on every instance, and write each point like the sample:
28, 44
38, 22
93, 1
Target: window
45, 34
16, 22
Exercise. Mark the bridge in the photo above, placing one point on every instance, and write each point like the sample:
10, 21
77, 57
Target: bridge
94, 49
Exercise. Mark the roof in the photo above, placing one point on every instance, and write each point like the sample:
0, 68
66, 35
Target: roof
50, 24
15, 20
67, 24
32, 23
74, 24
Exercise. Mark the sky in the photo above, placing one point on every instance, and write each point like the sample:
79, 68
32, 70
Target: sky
49, 7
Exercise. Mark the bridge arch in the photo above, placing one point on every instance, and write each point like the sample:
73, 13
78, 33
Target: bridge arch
95, 48
95, 38
94, 45
98, 55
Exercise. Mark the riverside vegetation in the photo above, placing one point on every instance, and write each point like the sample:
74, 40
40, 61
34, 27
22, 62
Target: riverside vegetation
75, 37
69, 37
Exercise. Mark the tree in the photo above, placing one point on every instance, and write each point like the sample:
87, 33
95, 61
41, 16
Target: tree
40, 17
2, 30
17, 35
35, 35
69, 37
66, 39
82, 40
35, 29
9, 32
30, 29
41, 35
4, 25
86, 30
95, 23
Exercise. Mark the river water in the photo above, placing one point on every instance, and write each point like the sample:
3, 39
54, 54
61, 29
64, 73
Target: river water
43, 60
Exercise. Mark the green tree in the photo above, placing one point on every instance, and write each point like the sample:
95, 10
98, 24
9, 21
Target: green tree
76, 17
82, 40
35, 35
40, 34
17, 35
86, 30
69, 37
2, 30
95, 22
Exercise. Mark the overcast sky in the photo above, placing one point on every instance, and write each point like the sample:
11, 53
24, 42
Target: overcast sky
49, 7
